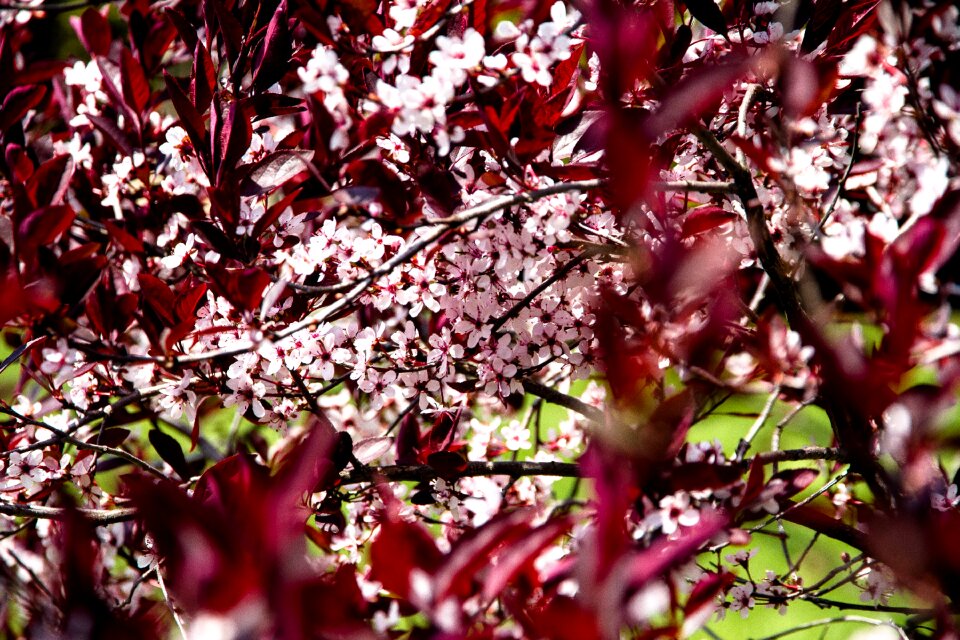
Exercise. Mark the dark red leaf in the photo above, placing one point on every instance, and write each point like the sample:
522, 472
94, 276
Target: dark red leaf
36, 72
754, 483
701, 476
190, 295
398, 549
49, 183
447, 464
223, 486
202, 79
708, 13
190, 118
268, 105
560, 618
695, 95
810, 517
272, 58
803, 90
408, 440
520, 554
42, 227
184, 29
158, 296
112, 133
230, 29
109, 437
822, 22
123, 239
705, 218
154, 38
110, 72
170, 452
18, 102
93, 30
474, 550
444, 430
232, 138
665, 554
857, 18
678, 46
429, 15
706, 590
271, 172
136, 89
243, 288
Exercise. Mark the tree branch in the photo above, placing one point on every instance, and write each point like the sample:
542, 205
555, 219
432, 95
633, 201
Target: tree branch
829, 621
413, 472
562, 399
695, 185
423, 472
97, 517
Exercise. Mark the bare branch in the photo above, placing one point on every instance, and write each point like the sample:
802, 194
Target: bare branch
829, 621
562, 399
423, 472
97, 517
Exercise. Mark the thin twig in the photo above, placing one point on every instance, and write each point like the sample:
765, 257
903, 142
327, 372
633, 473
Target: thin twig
742, 114
830, 575
166, 597
698, 186
89, 417
91, 446
804, 453
828, 621
761, 420
816, 494
854, 140
557, 276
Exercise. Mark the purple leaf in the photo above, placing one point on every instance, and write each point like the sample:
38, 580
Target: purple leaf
18, 102
709, 14
822, 22
666, 553
42, 227
111, 132
202, 79
170, 452
93, 30
136, 89
695, 95
272, 171
521, 554
473, 552
109, 71
51, 181
272, 58
190, 118
232, 138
